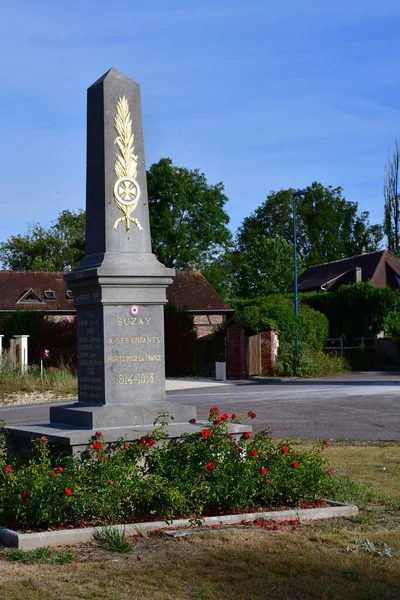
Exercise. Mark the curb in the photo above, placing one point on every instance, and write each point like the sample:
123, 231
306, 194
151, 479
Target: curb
68, 537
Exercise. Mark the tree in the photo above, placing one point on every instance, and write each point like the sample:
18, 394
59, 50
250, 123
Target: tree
187, 216
391, 193
59, 248
263, 266
328, 227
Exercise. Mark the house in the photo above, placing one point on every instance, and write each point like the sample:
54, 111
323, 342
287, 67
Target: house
48, 292
382, 268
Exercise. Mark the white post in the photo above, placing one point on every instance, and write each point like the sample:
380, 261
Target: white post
220, 371
1, 345
13, 355
21, 347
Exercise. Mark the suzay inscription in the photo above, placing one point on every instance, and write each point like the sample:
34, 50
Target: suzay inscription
133, 321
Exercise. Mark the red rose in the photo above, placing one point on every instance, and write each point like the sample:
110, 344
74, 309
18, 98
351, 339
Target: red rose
210, 466
45, 439
263, 470
206, 434
68, 492
233, 416
296, 464
52, 474
229, 435
60, 470
25, 495
329, 473
96, 445
127, 446
224, 417
251, 414
217, 421
284, 449
7, 469
214, 410
325, 443
110, 482
144, 441
247, 435
254, 453
98, 434
267, 481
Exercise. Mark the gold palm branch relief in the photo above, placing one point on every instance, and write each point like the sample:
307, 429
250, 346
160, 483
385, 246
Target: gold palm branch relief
126, 188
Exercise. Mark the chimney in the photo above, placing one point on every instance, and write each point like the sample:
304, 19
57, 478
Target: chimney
358, 274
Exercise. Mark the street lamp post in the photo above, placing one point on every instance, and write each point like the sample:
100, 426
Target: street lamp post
296, 295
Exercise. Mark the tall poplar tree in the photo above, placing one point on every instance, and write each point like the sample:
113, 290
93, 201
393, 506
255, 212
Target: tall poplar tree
391, 193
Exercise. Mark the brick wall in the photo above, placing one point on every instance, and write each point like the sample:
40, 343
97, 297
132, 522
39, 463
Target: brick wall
235, 351
269, 347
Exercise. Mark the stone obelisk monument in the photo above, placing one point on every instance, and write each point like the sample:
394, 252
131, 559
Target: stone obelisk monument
119, 288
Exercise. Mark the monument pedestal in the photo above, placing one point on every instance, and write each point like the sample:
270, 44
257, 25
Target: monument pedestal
79, 439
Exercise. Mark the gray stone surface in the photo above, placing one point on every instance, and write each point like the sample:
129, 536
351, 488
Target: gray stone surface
79, 439
120, 286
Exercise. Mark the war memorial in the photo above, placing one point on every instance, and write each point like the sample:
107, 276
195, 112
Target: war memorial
119, 289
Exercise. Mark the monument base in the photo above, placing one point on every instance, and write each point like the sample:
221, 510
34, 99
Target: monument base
76, 439
93, 416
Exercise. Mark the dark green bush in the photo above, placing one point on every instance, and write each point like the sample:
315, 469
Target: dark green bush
356, 310
277, 312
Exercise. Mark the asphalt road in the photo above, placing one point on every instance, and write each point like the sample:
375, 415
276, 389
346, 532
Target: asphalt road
352, 406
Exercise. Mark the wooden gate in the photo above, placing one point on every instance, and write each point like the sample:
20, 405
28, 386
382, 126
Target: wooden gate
254, 355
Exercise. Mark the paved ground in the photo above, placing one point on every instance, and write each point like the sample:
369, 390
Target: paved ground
364, 405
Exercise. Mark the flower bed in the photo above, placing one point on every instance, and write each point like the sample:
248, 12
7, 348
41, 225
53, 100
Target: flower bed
199, 474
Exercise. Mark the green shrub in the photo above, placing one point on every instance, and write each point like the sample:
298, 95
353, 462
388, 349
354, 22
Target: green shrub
209, 472
356, 306
309, 363
311, 326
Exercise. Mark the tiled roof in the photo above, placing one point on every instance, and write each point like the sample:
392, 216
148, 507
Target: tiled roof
192, 290
25, 290
381, 267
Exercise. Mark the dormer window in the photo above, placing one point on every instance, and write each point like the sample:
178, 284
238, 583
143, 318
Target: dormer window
49, 295
69, 294
30, 297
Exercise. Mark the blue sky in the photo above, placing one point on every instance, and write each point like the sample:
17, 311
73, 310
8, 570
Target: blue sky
260, 95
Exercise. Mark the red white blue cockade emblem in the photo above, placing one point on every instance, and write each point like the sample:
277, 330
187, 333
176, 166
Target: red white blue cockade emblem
134, 310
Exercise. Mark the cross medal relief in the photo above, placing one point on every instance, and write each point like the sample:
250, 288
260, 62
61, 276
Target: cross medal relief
126, 188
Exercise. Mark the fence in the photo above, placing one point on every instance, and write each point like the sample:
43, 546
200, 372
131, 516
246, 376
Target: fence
342, 345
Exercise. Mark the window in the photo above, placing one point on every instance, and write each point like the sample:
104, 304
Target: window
49, 295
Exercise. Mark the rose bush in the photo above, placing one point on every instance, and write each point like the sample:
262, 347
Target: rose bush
208, 472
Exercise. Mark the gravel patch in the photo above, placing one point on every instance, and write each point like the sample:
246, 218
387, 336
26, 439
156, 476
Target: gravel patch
20, 398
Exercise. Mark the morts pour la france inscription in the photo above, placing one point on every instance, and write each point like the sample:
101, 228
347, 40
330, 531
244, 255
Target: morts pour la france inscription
126, 188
